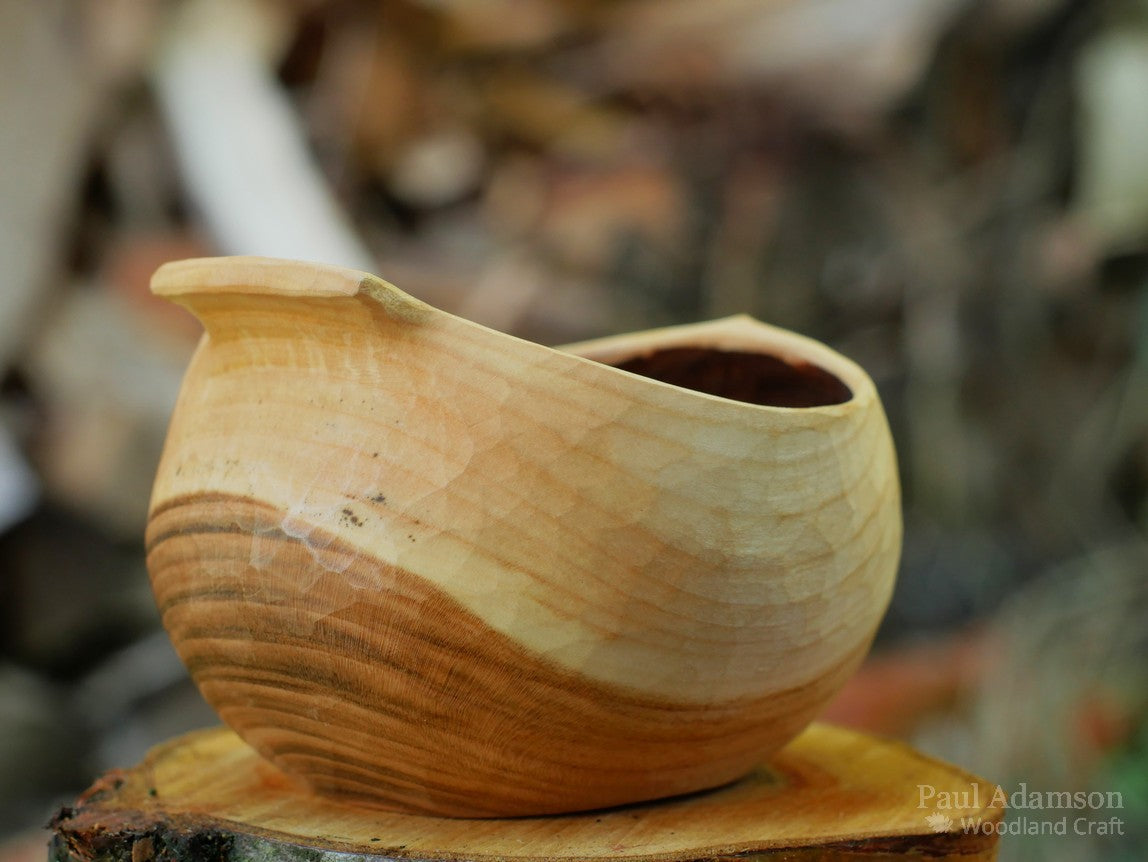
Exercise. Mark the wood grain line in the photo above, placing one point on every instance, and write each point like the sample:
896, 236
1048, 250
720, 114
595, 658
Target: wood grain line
283, 646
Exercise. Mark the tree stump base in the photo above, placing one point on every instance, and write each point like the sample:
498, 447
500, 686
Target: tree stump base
831, 794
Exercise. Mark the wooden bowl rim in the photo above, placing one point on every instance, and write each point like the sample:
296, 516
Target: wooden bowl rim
263, 276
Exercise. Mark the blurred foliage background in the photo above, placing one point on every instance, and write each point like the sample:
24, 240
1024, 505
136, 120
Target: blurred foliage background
952, 192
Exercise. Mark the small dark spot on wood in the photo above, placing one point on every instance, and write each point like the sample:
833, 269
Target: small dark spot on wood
374, 454
349, 517
378, 498
151, 791
375, 839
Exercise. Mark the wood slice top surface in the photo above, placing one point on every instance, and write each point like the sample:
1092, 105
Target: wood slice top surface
831, 794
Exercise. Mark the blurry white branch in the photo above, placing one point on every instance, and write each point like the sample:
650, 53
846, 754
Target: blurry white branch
50, 94
240, 145
842, 60
18, 487
1111, 77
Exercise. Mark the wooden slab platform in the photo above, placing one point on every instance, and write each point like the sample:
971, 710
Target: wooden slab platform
831, 794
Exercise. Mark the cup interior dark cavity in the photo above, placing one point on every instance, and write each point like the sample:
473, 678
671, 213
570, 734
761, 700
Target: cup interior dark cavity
756, 378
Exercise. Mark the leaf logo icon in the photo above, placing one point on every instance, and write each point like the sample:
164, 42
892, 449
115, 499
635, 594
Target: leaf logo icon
939, 822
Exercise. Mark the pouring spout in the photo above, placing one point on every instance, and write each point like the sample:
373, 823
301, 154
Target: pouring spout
199, 283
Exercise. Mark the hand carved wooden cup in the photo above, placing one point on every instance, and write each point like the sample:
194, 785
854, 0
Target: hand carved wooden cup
426, 566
